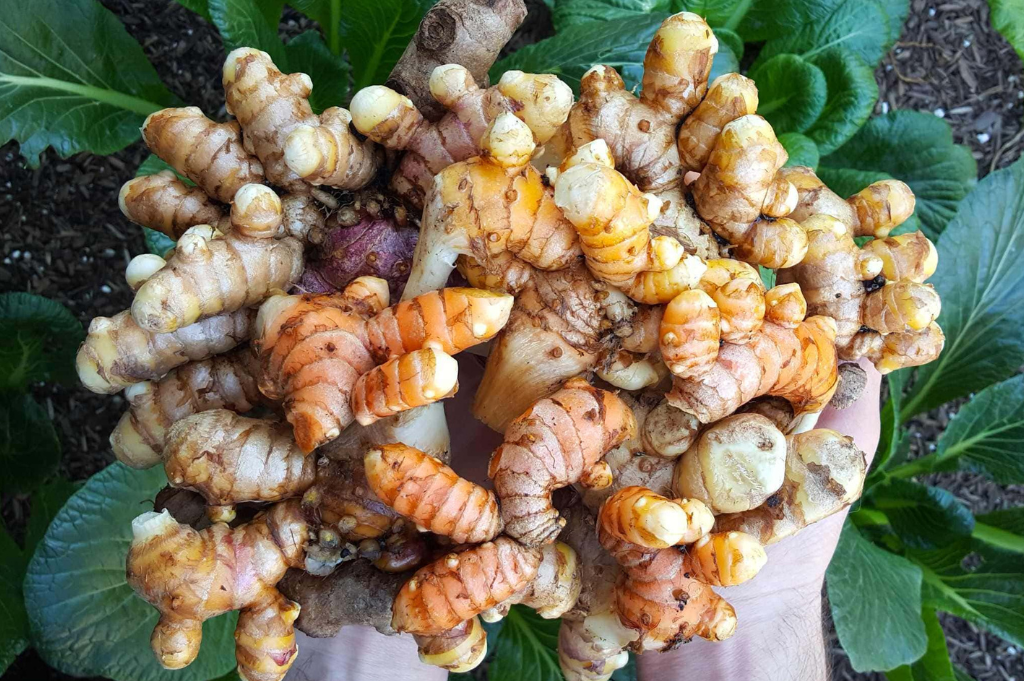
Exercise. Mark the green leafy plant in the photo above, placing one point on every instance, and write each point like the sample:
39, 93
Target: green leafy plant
84, 618
38, 344
917, 536
14, 629
90, 90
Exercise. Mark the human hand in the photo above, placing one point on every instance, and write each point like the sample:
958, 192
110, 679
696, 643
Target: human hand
780, 635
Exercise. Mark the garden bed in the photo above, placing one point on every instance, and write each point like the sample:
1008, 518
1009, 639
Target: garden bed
63, 236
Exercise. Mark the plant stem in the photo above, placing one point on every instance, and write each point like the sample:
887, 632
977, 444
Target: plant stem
864, 517
920, 466
334, 30
997, 537
737, 15
96, 94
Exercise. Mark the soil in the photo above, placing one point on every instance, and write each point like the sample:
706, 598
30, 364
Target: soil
63, 236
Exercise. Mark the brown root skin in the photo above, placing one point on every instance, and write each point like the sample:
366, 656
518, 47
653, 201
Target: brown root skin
230, 459
834, 278
343, 500
211, 273
117, 352
732, 202
227, 381
735, 465
557, 318
356, 593
852, 380
824, 474
432, 495
641, 132
496, 209
271, 106
459, 586
466, 32
540, 102
343, 358
639, 516
166, 204
729, 97
198, 586
554, 590
210, 154
798, 364
574, 428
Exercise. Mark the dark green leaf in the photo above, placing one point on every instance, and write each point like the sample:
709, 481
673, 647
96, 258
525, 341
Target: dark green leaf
13, 620
200, 7
38, 341
922, 516
1002, 529
726, 61
935, 665
876, 604
46, 502
157, 242
308, 54
251, 23
1008, 18
801, 149
982, 287
730, 39
990, 595
852, 93
890, 434
376, 33
525, 648
718, 13
986, 434
29, 448
806, 27
72, 78
85, 619
327, 13
910, 146
791, 92
573, 51
568, 13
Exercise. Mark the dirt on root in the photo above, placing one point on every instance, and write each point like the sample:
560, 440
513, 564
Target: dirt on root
63, 237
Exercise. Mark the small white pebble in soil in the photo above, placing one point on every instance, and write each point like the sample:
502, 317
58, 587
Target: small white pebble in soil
931, 447
16, 254
85, 258
940, 112
109, 252
885, 107
1011, 651
888, 67
966, 43
1020, 95
105, 289
9, 158
984, 137
931, 11
7, 261
898, 50
27, 255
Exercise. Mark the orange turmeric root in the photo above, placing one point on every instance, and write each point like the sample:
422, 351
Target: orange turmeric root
799, 365
218, 570
432, 495
557, 442
459, 586
647, 596
339, 358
